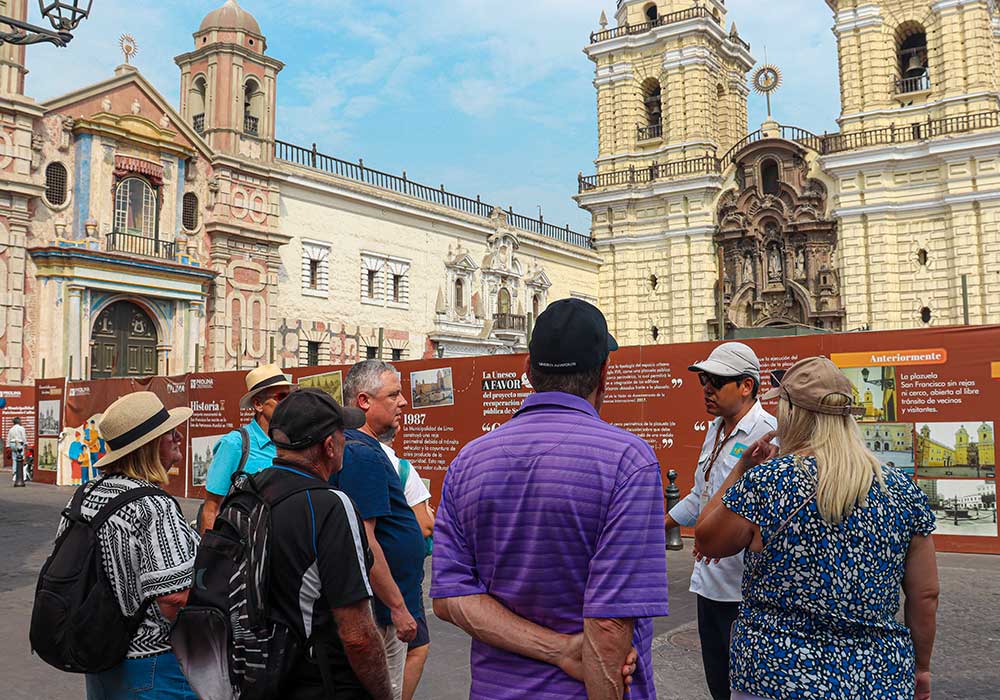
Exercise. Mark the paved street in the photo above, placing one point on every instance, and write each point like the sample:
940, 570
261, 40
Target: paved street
965, 667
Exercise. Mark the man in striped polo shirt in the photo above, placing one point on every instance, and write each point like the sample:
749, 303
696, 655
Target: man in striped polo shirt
550, 533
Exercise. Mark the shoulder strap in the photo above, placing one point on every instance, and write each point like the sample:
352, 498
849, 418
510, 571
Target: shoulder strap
404, 471
788, 520
74, 512
244, 448
299, 489
124, 499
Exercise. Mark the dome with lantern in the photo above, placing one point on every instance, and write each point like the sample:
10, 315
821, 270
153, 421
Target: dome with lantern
230, 17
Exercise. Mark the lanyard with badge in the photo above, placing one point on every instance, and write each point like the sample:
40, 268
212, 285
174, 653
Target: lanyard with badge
720, 443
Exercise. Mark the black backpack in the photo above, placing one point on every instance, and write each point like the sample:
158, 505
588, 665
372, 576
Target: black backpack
225, 639
77, 624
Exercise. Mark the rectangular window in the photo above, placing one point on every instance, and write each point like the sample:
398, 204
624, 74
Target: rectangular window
397, 354
385, 280
312, 353
313, 274
372, 352
397, 287
371, 284
315, 268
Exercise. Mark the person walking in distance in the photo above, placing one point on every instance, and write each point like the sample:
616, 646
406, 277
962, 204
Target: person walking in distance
550, 533
730, 380
394, 534
17, 439
248, 448
419, 500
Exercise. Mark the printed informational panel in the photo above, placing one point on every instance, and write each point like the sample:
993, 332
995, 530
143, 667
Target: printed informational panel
49, 396
20, 403
931, 403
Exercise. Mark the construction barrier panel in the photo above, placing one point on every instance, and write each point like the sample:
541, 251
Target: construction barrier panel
931, 398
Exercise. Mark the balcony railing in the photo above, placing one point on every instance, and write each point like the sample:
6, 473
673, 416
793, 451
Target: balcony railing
824, 145
918, 84
311, 158
670, 18
250, 125
650, 131
132, 244
704, 165
198, 122
510, 322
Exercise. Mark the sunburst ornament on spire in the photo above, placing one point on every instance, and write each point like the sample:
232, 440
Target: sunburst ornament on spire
766, 80
129, 47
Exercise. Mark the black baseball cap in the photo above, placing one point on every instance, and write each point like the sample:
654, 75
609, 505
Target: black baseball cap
570, 336
308, 416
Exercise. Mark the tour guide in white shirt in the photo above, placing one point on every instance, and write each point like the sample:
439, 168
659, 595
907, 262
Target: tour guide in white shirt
730, 379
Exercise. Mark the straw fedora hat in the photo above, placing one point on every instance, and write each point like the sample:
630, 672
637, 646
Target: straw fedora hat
135, 420
262, 378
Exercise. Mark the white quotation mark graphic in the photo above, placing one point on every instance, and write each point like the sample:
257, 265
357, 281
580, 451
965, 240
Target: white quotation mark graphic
668, 442
676, 382
701, 426
490, 427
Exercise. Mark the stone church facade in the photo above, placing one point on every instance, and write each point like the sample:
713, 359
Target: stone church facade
704, 231
142, 237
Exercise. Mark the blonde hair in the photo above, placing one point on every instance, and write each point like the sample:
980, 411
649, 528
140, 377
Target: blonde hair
144, 463
845, 467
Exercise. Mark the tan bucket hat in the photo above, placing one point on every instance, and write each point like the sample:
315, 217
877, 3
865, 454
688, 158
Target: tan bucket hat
261, 378
135, 420
808, 382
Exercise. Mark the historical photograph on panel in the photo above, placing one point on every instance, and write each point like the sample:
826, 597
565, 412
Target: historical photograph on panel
875, 389
892, 443
49, 420
48, 454
962, 506
330, 382
201, 457
955, 449
432, 387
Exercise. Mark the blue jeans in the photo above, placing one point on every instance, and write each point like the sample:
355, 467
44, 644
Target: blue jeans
153, 678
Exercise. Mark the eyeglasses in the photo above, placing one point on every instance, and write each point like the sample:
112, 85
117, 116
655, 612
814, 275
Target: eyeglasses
278, 396
718, 382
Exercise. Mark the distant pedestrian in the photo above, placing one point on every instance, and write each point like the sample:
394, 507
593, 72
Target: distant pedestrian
17, 440
148, 549
832, 536
549, 546
248, 448
394, 534
730, 380
419, 500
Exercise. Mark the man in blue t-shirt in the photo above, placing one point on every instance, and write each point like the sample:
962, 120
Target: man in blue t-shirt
267, 386
371, 481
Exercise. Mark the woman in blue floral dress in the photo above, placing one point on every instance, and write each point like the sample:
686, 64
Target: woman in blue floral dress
832, 536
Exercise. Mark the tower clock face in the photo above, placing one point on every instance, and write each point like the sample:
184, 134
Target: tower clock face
767, 79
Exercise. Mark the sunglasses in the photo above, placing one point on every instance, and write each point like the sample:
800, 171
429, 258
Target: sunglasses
278, 396
718, 382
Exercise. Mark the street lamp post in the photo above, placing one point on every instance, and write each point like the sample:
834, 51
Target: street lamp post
64, 15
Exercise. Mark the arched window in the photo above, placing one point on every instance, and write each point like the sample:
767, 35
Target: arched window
769, 177
459, 296
652, 100
189, 217
536, 306
253, 99
199, 93
911, 55
135, 208
652, 14
503, 301
56, 180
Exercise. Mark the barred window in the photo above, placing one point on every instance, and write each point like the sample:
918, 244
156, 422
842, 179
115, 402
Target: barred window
312, 353
56, 180
397, 354
189, 216
135, 207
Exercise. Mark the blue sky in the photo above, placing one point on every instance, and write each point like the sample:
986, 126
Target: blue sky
488, 98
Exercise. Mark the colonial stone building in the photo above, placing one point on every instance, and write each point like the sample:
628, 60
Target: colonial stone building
141, 237
890, 223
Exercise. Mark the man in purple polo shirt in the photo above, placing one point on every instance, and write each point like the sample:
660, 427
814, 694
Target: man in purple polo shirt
550, 533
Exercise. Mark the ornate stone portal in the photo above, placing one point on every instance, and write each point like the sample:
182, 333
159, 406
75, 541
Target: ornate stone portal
778, 250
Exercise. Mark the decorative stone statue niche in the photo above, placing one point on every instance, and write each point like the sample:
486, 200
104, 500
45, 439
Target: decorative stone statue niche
777, 245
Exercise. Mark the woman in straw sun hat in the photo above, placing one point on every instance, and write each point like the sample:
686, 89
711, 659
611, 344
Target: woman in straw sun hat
831, 537
147, 548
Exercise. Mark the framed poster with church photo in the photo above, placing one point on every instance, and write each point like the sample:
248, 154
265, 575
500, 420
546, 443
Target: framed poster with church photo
875, 390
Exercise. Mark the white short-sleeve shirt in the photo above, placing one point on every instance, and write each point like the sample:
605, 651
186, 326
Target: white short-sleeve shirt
414, 489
